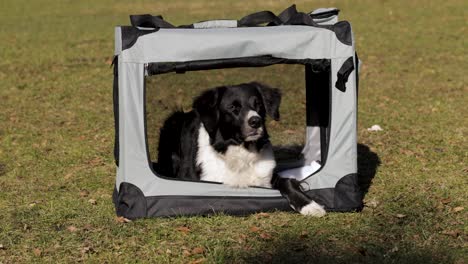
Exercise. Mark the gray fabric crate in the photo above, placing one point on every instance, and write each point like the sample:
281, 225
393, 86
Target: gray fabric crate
325, 48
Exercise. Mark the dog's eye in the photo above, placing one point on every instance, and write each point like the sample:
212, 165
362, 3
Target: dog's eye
235, 109
254, 103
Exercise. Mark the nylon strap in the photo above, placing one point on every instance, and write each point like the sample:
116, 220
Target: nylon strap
290, 16
259, 18
149, 21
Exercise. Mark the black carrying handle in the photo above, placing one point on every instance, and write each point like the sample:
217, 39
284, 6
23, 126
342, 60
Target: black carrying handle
290, 16
149, 21
259, 18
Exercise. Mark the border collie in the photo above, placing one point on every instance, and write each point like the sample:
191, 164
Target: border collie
224, 139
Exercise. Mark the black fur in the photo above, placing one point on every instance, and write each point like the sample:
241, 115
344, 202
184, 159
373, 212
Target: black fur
178, 146
271, 98
222, 110
291, 190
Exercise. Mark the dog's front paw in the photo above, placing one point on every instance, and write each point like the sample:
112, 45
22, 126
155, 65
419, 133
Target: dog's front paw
313, 209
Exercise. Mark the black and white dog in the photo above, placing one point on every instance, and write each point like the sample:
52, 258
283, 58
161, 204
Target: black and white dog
224, 139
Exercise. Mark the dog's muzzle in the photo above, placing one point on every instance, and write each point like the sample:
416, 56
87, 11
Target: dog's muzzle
253, 130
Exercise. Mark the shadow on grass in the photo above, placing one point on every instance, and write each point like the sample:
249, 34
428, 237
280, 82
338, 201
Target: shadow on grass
325, 245
290, 249
368, 162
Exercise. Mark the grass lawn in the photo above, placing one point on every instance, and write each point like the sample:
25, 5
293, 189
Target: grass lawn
56, 141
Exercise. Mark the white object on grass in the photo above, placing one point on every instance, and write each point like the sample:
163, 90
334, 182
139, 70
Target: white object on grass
375, 128
301, 172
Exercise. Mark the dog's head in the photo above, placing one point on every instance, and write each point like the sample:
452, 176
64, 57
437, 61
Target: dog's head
237, 113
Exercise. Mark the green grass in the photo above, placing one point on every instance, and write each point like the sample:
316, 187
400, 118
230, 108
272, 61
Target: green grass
56, 140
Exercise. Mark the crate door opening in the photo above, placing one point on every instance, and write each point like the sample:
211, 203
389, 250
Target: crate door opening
294, 137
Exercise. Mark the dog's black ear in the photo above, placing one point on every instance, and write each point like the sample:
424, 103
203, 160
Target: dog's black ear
207, 107
271, 99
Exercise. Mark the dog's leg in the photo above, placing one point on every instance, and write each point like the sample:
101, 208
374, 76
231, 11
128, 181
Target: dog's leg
298, 200
169, 137
188, 148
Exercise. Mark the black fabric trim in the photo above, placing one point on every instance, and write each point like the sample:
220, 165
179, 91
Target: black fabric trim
330, 114
343, 32
256, 61
357, 85
357, 75
131, 34
348, 194
115, 98
343, 74
345, 197
326, 140
164, 206
129, 201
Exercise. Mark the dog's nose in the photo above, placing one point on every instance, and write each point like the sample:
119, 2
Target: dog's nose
254, 122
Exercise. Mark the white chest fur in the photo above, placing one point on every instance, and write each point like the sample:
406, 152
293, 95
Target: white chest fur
238, 167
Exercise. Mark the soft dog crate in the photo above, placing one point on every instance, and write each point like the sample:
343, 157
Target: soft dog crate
316, 40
